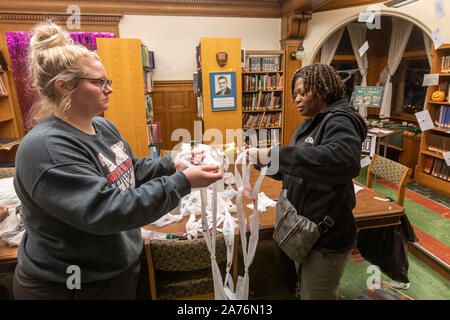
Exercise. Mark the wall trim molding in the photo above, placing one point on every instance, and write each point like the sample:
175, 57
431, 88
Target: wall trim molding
33, 17
220, 8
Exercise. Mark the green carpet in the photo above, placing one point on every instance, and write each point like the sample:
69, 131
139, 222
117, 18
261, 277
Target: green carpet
272, 277
425, 283
423, 218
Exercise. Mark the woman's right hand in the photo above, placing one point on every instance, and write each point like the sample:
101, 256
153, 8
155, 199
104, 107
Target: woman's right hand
202, 176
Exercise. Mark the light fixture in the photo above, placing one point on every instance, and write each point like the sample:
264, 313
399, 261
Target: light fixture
398, 3
299, 54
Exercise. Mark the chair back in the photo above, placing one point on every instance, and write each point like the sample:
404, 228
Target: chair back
185, 255
391, 171
7, 172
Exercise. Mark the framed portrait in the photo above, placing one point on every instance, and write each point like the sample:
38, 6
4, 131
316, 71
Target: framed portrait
223, 90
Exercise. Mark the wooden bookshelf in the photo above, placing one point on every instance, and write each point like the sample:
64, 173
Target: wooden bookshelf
9, 133
421, 176
263, 86
122, 59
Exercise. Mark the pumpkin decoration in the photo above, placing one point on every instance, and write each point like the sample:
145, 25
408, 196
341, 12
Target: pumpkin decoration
438, 96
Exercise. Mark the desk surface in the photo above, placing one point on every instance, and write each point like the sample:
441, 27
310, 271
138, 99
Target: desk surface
368, 213
383, 134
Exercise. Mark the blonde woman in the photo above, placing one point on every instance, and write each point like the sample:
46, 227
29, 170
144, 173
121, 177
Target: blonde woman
84, 193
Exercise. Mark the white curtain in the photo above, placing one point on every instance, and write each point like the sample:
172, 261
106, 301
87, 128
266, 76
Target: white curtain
357, 34
427, 41
329, 47
401, 30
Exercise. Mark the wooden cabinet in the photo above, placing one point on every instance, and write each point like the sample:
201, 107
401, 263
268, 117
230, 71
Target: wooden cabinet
122, 59
431, 169
263, 97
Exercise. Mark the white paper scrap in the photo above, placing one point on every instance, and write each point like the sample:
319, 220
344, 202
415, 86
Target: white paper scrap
447, 158
430, 79
439, 9
363, 48
357, 188
365, 162
381, 199
437, 38
424, 120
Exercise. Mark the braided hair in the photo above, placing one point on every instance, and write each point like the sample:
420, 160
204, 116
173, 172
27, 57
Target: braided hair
322, 80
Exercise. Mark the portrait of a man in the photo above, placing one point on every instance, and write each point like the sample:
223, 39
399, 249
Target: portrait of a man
222, 84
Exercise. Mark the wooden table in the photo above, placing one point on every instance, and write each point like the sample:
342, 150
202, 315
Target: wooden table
368, 213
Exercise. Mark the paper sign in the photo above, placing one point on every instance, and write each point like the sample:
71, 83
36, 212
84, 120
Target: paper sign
367, 17
430, 79
363, 48
424, 120
365, 162
447, 158
439, 9
368, 146
357, 188
437, 38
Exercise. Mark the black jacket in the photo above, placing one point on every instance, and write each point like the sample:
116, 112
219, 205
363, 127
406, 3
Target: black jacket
317, 170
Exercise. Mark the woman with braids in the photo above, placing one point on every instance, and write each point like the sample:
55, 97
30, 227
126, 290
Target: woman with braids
84, 194
317, 170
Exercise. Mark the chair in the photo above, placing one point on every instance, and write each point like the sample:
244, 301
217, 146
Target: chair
391, 171
7, 172
181, 269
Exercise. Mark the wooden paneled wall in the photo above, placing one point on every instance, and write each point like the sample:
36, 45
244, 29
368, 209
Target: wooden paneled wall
175, 107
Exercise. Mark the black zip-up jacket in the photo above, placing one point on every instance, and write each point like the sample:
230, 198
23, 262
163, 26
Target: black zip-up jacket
317, 170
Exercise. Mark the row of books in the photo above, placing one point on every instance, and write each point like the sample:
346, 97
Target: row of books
197, 79
445, 64
262, 138
148, 81
149, 107
438, 143
148, 57
443, 117
261, 120
261, 63
437, 168
3, 91
154, 133
255, 101
262, 82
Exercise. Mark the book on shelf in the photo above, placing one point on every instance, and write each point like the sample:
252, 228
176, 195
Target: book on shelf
437, 168
257, 63
262, 137
3, 63
445, 65
151, 60
3, 91
149, 108
429, 164
8, 143
438, 143
154, 133
262, 82
442, 117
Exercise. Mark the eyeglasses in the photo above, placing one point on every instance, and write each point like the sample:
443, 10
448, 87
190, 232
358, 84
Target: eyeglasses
102, 82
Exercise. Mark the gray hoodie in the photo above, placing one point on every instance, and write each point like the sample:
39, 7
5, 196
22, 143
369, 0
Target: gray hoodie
84, 199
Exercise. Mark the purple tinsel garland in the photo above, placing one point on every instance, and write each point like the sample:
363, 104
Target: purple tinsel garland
18, 45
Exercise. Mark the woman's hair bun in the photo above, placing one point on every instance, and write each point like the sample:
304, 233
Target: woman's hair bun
47, 35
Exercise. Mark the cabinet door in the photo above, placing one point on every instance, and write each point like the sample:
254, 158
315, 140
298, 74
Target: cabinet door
122, 59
